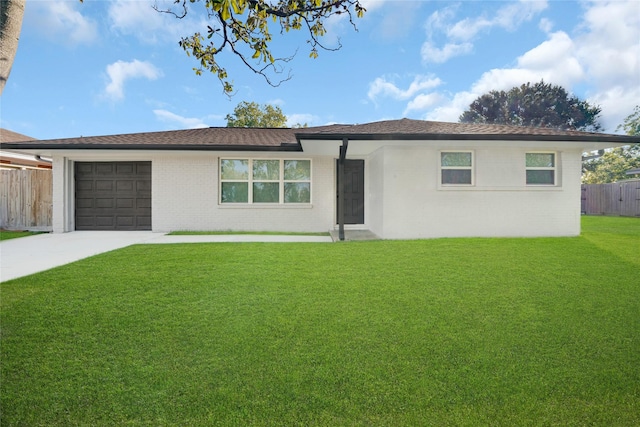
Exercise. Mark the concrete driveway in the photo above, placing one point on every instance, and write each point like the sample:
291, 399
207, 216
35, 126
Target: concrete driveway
27, 255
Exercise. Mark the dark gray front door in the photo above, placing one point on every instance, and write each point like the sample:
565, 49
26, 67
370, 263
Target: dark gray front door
113, 195
353, 191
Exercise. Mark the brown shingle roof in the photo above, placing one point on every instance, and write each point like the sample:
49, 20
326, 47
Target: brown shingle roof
430, 129
194, 139
284, 139
7, 135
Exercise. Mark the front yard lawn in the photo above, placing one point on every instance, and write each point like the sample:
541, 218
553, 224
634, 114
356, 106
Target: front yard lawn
460, 332
6, 234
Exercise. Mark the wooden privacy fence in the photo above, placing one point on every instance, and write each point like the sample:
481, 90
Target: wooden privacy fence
618, 198
26, 200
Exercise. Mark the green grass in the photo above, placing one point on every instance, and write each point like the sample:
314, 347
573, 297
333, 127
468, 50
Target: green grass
254, 233
447, 332
6, 235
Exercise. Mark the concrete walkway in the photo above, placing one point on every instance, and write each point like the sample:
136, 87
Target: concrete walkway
27, 255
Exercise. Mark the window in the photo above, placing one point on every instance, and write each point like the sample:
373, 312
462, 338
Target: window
265, 181
456, 167
540, 168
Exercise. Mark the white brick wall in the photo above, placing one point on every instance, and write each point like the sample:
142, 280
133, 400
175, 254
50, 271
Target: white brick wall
499, 204
403, 198
185, 197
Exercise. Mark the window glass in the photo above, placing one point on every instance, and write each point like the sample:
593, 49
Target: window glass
540, 168
456, 168
297, 192
235, 192
456, 176
266, 192
265, 181
234, 169
540, 177
540, 160
267, 170
297, 170
456, 159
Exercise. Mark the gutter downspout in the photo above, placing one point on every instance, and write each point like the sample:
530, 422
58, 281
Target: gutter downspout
341, 159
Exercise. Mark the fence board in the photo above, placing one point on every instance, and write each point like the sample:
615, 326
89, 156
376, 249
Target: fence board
618, 198
26, 200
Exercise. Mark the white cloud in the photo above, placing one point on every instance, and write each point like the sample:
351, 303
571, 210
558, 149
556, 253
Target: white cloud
431, 53
459, 35
121, 71
423, 101
301, 119
554, 61
608, 47
450, 111
603, 57
382, 87
182, 122
138, 18
61, 21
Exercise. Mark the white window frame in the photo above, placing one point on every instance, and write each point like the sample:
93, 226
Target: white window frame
250, 181
470, 168
554, 168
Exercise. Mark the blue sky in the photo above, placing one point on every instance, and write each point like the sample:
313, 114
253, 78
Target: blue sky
108, 67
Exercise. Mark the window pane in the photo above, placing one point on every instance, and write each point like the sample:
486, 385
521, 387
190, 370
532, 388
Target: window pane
297, 170
297, 192
456, 176
235, 192
540, 160
455, 159
234, 169
266, 192
266, 170
540, 177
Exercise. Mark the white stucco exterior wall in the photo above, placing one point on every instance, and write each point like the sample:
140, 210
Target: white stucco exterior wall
185, 196
499, 204
403, 199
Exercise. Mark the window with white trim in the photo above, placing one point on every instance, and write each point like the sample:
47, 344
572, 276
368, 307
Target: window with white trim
540, 168
256, 181
456, 167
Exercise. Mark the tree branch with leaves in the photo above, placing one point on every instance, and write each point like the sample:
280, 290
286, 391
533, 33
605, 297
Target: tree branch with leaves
241, 27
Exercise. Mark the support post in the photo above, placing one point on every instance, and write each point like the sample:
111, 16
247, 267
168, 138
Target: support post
341, 159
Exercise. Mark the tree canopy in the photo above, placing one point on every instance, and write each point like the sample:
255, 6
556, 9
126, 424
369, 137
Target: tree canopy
254, 115
241, 27
613, 165
539, 105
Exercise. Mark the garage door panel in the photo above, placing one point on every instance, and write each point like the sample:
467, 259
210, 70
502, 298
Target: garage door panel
103, 185
127, 185
102, 168
125, 221
104, 221
82, 185
143, 185
143, 222
84, 203
113, 195
143, 203
143, 169
104, 203
127, 203
125, 169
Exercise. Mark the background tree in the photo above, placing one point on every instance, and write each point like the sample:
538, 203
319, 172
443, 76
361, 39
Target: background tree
11, 13
241, 27
253, 115
613, 165
538, 105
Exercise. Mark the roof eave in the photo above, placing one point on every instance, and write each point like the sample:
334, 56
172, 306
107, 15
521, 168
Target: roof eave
149, 147
622, 139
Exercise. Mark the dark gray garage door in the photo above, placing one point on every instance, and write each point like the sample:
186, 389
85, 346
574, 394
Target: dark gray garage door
113, 195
